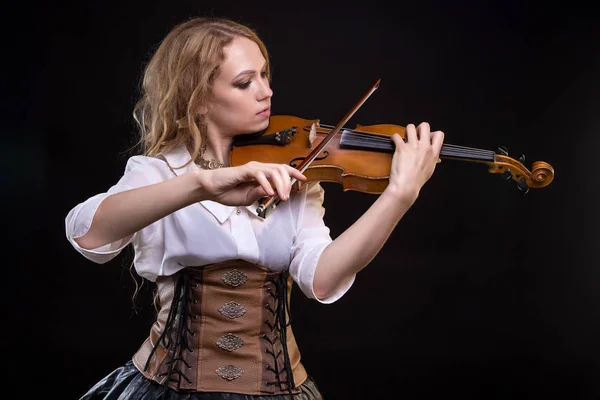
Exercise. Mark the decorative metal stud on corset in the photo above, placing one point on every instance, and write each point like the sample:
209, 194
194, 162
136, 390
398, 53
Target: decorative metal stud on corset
232, 310
229, 372
230, 342
235, 278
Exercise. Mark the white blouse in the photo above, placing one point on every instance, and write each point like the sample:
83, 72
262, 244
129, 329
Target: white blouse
292, 237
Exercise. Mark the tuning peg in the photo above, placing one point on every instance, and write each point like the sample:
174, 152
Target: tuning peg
522, 186
522, 158
502, 150
507, 175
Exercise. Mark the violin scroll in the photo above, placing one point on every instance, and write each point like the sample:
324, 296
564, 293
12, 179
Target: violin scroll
541, 174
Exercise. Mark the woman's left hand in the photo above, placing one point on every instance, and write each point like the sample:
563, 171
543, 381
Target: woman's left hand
414, 160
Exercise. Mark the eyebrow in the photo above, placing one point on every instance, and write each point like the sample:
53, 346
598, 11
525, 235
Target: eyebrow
248, 72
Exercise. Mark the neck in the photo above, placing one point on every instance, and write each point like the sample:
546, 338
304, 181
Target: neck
217, 148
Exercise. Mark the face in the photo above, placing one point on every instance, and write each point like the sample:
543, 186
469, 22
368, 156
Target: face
241, 94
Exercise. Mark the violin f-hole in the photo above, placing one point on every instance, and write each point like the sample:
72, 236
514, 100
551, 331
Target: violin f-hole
293, 162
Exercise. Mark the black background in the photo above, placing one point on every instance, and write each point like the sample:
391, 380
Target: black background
481, 292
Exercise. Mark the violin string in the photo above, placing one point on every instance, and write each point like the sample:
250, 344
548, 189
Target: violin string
352, 138
369, 136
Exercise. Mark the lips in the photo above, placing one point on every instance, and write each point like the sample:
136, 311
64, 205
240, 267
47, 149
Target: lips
264, 110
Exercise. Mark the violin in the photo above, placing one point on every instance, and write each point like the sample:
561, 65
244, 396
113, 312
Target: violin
360, 158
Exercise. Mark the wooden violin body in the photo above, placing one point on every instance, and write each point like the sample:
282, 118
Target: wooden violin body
360, 159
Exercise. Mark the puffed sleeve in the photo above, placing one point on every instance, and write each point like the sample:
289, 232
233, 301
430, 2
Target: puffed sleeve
312, 237
139, 171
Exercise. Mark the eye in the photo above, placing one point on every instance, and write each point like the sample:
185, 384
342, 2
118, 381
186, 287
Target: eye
246, 84
243, 85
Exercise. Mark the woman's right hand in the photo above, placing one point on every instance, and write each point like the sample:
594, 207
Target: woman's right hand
243, 185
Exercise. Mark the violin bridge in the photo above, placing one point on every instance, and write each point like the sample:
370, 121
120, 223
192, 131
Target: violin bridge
312, 135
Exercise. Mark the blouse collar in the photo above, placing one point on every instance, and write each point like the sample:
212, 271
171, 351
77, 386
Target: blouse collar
179, 156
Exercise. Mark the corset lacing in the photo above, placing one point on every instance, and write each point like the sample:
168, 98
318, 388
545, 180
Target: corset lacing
180, 307
280, 325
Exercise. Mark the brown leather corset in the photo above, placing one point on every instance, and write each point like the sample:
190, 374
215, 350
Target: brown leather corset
223, 328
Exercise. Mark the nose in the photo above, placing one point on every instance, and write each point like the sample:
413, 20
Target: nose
264, 90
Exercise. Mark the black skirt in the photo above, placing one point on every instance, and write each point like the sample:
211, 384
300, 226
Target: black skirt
128, 383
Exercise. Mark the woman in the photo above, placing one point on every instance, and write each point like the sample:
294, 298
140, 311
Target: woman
222, 272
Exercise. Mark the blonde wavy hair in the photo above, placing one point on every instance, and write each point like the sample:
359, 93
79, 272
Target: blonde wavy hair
177, 83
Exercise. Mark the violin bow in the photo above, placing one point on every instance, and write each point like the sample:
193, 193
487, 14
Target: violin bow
270, 202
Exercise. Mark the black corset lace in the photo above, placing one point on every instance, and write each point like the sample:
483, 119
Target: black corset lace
180, 309
279, 329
